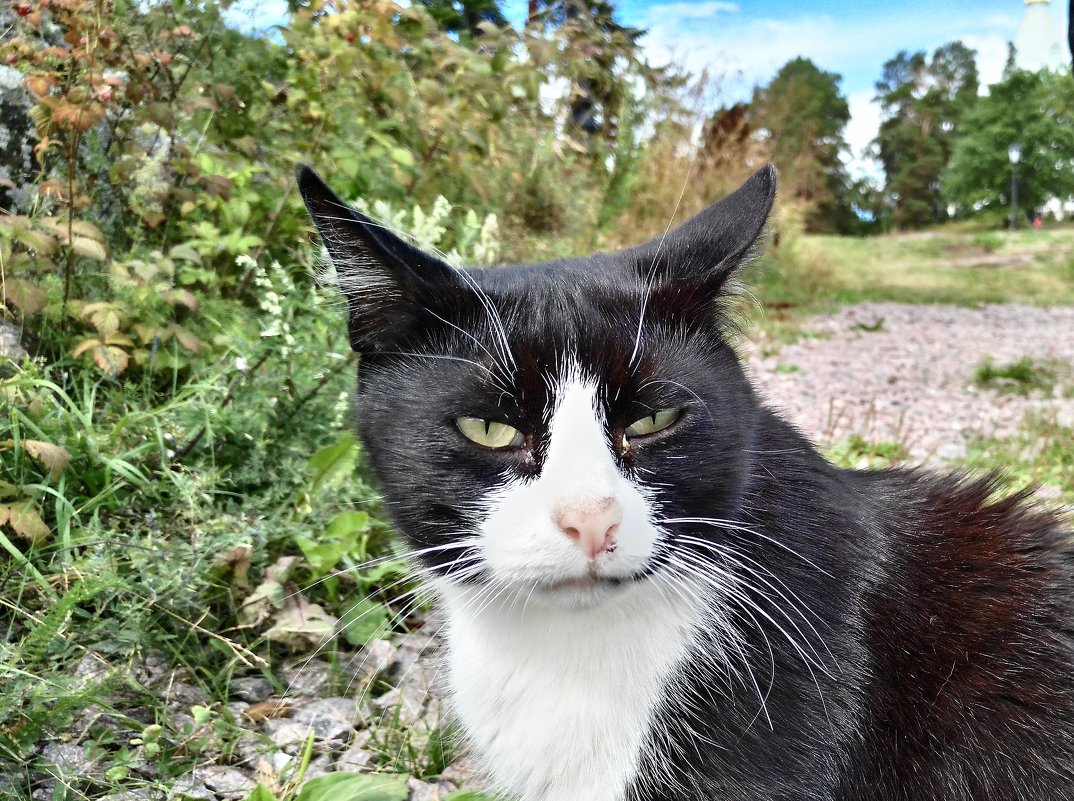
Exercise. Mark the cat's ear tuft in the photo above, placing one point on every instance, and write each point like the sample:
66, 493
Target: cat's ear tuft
385, 280
710, 246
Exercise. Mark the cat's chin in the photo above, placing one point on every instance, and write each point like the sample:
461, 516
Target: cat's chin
584, 592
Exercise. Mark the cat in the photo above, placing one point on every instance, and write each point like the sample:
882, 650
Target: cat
654, 587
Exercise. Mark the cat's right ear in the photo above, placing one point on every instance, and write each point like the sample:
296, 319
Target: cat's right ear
386, 281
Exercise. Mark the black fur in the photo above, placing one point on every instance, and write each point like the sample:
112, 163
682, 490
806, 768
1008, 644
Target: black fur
932, 644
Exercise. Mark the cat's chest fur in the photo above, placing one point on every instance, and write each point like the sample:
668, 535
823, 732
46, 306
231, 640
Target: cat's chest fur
560, 704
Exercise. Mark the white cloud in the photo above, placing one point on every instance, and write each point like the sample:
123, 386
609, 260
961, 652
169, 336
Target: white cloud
860, 132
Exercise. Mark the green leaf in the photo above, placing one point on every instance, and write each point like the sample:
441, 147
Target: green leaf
363, 620
333, 461
469, 795
402, 156
260, 794
340, 537
355, 787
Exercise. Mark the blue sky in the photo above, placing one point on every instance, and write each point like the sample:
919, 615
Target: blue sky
743, 42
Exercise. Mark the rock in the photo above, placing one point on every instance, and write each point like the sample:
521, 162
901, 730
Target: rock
65, 761
285, 732
187, 695
464, 772
308, 677
428, 791
320, 766
355, 759
226, 782
405, 703
191, 788
11, 342
412, 647
251, 689
374, 660
249, 748
330, 718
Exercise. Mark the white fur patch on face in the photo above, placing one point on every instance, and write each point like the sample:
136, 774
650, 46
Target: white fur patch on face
521, 540
555, 676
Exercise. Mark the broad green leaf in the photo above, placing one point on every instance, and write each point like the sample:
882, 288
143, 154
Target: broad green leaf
333, 460
185, 252
363, 620
469, 795
261, 794
355, 787
402, 156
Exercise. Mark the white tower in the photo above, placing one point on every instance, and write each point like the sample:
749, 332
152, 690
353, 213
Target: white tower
1037, 45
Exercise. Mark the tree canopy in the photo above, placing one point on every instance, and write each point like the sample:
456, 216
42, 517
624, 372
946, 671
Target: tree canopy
802, 116
923, 103
1034, 110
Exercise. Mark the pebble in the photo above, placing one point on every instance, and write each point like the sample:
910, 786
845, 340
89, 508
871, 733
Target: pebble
224, 781
251, 689
66, 761
330, 718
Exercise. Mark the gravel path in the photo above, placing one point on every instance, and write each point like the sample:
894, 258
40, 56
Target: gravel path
911, 380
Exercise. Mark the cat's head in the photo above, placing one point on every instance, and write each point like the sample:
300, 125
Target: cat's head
547, 428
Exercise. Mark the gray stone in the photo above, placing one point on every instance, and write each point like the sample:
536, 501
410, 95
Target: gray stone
464, 772
320, 766
66, 761
187, 787
309, 677
330, 718
285, 732
11, 342
250, 688
355, 759
407, 703
424, 791
225, 782
187, 695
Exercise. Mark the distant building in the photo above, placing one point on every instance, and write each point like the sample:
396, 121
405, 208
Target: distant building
1037, 45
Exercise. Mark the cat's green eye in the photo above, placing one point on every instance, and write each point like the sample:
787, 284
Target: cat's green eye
489, 433
657, 421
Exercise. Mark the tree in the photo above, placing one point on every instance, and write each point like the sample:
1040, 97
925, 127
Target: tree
464, 17
801, 116
600, 53
923, 105
1034, 109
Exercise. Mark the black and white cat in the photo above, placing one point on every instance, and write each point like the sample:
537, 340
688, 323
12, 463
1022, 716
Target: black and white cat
655, 588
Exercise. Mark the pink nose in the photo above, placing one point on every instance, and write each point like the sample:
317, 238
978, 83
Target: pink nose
592, 525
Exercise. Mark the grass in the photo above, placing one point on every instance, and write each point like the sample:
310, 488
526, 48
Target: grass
812, 274
1041, 454
1034, 267
1022, 376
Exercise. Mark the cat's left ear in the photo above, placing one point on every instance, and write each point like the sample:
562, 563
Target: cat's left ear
709, 247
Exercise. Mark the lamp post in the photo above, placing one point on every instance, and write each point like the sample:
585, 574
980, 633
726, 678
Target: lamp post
1014, 153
